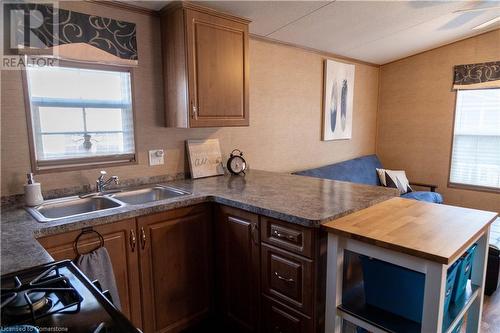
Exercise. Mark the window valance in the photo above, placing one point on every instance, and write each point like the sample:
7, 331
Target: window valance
72, 35
477, 76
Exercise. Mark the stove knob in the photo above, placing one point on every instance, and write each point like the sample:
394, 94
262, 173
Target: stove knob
97, 284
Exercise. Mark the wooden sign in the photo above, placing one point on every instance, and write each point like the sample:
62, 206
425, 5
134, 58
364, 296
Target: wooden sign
205, 158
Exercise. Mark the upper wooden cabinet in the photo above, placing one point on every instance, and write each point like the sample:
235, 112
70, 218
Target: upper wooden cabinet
205, 67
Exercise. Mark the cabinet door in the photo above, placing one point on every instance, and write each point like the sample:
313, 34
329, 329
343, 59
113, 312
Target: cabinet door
218, 70
176, 260
118, 240
238, 268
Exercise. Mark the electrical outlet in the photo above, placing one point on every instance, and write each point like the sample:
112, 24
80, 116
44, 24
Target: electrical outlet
156, 157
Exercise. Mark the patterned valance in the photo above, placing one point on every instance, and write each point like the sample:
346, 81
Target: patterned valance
68, 34
476, 76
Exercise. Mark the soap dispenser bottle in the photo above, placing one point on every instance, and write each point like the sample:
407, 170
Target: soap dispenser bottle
32, 192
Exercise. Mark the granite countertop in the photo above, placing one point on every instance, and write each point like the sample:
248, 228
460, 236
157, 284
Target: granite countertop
295, 199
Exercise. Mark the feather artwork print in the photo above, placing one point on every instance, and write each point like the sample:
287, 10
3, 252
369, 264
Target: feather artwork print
343, 105
338, 97
333, 107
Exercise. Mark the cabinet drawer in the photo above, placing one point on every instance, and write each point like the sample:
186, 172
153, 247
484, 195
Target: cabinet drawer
287, 277
287, 236
278, 318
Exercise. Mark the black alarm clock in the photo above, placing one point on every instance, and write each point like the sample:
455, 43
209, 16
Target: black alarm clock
236, 164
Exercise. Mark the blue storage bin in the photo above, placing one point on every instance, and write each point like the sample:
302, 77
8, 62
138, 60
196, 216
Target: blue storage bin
393, 288
463, 273
400, 290
450, 283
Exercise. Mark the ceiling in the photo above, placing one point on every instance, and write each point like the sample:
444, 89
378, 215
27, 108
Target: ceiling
374, 31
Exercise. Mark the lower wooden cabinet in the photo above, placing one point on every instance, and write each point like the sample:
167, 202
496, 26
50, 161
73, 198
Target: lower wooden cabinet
278, 318
118, 239
162, 265
288, 278
176, 268
237, 269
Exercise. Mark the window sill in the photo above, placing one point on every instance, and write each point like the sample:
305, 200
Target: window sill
474, 188
83, 163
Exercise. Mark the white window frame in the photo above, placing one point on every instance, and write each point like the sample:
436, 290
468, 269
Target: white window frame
464, 185
66, 164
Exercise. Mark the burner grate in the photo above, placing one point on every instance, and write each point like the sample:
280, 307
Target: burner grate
50, 282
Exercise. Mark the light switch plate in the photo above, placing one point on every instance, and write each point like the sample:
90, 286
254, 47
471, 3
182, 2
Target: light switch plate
156, 157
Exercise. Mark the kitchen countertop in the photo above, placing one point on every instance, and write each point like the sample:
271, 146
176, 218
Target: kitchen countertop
296, 199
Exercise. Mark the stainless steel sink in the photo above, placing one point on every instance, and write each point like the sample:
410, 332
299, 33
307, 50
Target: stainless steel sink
73, 206
150, 194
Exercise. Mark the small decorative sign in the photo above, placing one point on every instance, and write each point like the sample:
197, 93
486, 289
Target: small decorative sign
205, 158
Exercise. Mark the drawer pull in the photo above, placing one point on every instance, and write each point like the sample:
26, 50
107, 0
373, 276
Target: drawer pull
132, 240
143, 238
290, 280
279, 235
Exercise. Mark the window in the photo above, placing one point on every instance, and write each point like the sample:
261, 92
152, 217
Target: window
80, 116
475, 157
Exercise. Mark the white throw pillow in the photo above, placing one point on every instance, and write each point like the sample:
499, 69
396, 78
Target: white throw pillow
394, 179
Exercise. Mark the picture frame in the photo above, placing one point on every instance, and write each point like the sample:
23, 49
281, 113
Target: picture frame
205, 158
338, 97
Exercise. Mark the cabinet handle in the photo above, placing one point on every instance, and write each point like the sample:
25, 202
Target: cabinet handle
283, 278
194, 111
143, 238
132, 240
279, 235
255, 233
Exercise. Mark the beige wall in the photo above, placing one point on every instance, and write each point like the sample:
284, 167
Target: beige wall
415, 117
285, 114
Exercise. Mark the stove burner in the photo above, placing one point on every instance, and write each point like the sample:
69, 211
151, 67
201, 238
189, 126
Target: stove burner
57, 295
27, 300
48, 293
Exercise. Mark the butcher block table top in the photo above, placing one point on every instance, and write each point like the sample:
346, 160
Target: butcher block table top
434, 232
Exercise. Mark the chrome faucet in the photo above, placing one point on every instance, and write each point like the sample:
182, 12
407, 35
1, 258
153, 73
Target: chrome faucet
101, 183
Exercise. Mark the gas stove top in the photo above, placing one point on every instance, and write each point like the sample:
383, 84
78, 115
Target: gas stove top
58, 297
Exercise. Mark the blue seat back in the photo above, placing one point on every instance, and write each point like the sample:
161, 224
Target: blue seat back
361, 170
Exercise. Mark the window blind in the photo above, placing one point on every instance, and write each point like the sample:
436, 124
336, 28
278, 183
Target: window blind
476, 142
80, 114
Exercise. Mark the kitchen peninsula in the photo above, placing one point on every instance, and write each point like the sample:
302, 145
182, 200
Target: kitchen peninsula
249, 250
256, 231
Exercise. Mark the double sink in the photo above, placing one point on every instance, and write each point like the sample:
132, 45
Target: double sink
56, 209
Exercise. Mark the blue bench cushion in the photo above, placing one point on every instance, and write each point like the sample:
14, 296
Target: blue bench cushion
424, 196
361, 170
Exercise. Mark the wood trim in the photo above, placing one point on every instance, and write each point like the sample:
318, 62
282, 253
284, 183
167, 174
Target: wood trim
125, 6
437, 47
29, 124
96, 165
451, 138
313, 50
205, 10
473, 187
